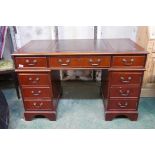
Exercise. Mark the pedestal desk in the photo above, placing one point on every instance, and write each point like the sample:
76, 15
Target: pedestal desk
39, 62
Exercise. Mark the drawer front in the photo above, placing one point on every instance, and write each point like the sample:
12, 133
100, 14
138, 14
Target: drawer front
63, 61
84, 61
118, 78
34, 79
37, 92
96, 61
128, 61
122, 104
39, 105
31, 62
124, 91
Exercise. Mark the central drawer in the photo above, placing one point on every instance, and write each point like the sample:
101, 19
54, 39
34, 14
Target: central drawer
34, 79
80, 61
37, 92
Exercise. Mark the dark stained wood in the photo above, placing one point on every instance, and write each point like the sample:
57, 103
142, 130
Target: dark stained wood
29, 115
110, 115
31, 79
43, 105
128, 61
37, 92
124, 91
122, 104
79, 61
31, 62
56, 85
125, 78
122, 62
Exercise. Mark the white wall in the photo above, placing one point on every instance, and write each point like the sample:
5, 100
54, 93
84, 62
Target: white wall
27, 33
117, 32
76, 32
152, 32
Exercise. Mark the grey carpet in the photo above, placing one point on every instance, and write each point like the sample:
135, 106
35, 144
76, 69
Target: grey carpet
80, 107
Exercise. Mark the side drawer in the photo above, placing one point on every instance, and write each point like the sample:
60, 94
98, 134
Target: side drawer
122, 104
39, 105
37, 92
119, 78
34, 79
125, 91
128, 61
30, 62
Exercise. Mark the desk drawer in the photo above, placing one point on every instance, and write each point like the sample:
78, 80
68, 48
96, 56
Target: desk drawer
31, 62
125, 91
128, 61
118, 78
122, 104
96, 61
34, 79
64, 61
39, 105
77, 61
37, 92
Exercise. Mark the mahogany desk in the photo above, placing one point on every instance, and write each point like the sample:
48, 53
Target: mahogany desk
121, 60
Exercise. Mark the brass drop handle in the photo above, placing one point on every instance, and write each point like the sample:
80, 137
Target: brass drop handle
36, 93
30, 79
95, 64
32, 63
128, 62
35, 80
122, 105
64, 64
123, 93
125, 81
38, 105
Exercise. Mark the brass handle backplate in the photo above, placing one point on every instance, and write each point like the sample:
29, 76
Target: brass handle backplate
123, 80
36, 93
122, 105
31, 63
35, 80
64, 63
128, 62
38, 105
95, 63
124, 93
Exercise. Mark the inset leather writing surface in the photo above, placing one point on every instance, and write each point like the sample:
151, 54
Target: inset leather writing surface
38, 46
121, 45
80, 46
